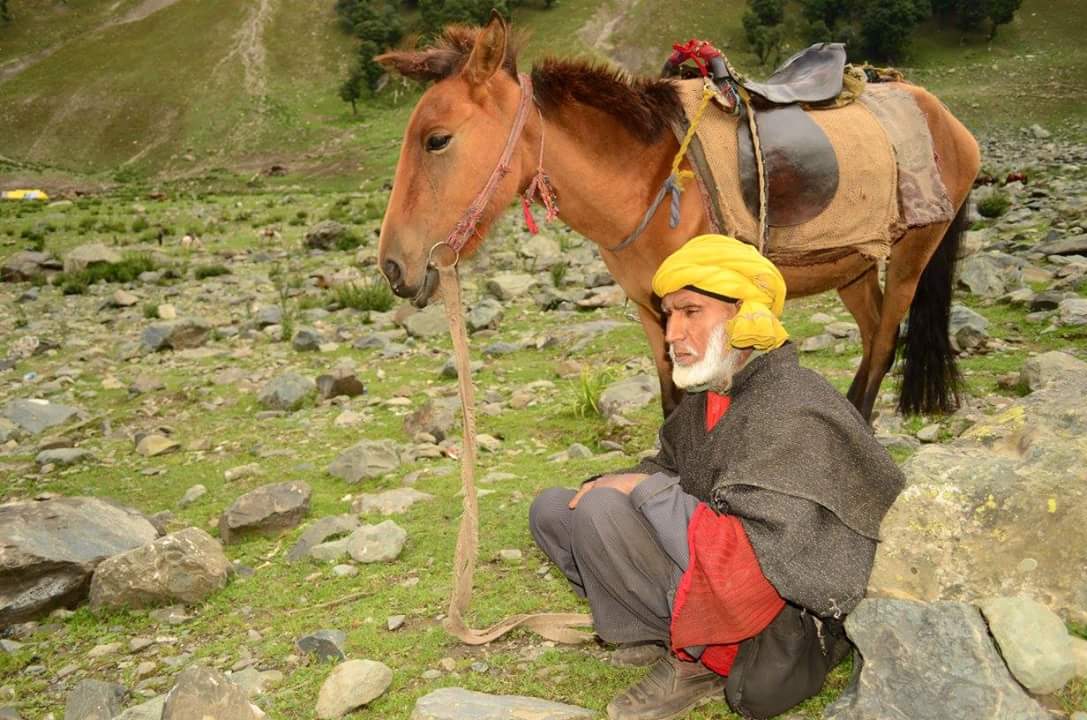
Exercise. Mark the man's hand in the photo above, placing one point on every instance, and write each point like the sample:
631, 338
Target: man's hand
623, 483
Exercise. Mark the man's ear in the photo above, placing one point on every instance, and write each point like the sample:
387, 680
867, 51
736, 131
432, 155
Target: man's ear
489, 52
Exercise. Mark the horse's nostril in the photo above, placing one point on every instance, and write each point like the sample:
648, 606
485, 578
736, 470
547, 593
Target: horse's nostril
392, 271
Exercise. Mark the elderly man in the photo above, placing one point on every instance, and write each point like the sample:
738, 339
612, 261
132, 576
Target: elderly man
744, 541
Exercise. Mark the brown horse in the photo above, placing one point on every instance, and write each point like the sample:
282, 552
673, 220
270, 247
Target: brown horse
608, 149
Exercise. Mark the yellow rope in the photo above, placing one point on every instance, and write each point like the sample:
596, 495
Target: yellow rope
682, 175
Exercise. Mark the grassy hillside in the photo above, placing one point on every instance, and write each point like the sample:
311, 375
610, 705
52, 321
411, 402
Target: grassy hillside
120, 89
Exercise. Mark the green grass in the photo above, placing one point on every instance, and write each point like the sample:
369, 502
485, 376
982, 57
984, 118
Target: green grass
371, 294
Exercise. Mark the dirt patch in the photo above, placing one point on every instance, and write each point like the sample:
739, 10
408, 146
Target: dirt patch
144, 9
249, 48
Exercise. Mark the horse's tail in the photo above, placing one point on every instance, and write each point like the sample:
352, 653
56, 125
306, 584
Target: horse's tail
931, 382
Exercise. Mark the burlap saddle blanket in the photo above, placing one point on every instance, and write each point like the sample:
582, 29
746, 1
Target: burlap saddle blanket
887, 180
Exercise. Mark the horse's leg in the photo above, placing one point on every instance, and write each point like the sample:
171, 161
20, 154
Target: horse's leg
863, 298
654, 332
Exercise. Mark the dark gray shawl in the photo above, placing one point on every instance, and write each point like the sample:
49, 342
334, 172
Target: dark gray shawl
799, 466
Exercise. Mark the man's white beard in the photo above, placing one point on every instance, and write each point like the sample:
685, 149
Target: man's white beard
714, 370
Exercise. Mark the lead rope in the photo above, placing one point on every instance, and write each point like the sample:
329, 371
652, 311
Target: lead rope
558, 627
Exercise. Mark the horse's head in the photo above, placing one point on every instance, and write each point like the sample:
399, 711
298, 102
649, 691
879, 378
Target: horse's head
452, 143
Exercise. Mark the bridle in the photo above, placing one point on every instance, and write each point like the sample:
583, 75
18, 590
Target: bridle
540, 185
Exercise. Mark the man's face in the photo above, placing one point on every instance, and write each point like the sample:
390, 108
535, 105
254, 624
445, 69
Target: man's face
695, 333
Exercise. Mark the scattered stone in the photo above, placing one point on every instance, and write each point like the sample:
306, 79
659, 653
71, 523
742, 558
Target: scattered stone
84, 256
319, 532
1040, 370
485, 315
815, 343
150, 710
1073, 311
103, 650
989, 275
577, 451
459, 704
428, 323
929, 433
155, 444
166, 311
26, 265
345, 570
122, 298
507, 286
395, 622
307, 339
367, 459
390, 502
145, 383
175, 334
185, 566
202, 693
968, 329
49, 549
605, 296
94, 700
35, 416
242, 472
377, 543
434, 418
629, 394
191, 495
269, 315
1033, 642
329, 551
1070, 245
63, 457
325, 645
325, 235
268, 509
1046, 301
254, 682
340, 381
511, 556
927, 662
289, 391
351, 685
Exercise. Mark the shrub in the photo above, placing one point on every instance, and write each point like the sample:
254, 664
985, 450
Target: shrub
590, 386
994, 204
200, 272
348, 241
368, 295
558, 273
130, 268
139, 225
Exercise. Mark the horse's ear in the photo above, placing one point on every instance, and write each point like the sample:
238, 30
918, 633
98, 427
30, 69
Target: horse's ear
421, 65
489, 52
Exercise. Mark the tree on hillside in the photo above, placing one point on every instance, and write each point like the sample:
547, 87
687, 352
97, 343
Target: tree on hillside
376, 23
974, 14
436, 14
762, 27
886, 25
5, 14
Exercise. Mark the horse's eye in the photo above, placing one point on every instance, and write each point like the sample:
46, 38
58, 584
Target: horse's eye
437, 142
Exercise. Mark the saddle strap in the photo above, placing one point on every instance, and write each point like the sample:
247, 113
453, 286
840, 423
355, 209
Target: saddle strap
558, 627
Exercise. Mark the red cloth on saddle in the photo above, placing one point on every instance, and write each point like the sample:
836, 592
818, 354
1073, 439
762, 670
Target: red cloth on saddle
723, 598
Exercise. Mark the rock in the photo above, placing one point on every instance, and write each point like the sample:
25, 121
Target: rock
166, 311
578, 451
345, 570
990, 275
103, 650
629, 394
154, 445
8, 430
377, 543
325, 645
94, 700
329, 551
1079, 656
390, 502
269, 315
510, 556
1039, 132
605, 296
49, 549
1046, 301
307, 339
816, 343
63, 456
976, 509
35, 416
1073, 311
150, 710
175, 334
507, 286
122, 298
84, 256
541, 248
1071, 245
456, 703
927, 662
1048, 367
429, 323
253, 681
968, 329
351, 685
500, 348
929, 433
145, 383
324, 235
268, 509
320, 531
484, 315
395, 622
289, 391
341, 381
367, 459
434, 418
26, 265
1033, 641
202, 693
242, 472
185, 566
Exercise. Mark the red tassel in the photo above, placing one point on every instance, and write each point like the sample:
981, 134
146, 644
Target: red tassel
529, 220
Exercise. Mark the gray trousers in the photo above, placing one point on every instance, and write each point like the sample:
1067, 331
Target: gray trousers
611, 555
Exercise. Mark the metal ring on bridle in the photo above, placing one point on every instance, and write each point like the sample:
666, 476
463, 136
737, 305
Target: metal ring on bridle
443, 244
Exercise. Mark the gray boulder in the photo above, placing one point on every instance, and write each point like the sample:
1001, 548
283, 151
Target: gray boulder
433, 418
201, 693
84, 256
35, 416
1042, 369
306, 339
340, 381
185, 566
456, 703
484, 315
150, 710
507, 286
999, 510
927, 662
428, 323
390, 502
990, 275
1073, 311
324, 235
629, 394
268, 315
289, 391
367, 459
1071, 245
63, 456
1033, 641
351, 685
377, 543
9, 430
268, 509
94, 700
26, 265
49, 549
968, 329
325, 645
318, 532
180, 334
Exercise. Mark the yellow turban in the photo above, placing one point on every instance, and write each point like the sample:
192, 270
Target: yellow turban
725, 266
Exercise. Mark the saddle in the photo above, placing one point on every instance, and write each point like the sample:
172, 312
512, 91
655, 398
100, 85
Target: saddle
799, 161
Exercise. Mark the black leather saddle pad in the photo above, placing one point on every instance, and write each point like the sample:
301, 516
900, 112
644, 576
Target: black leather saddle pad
801, 167
813, 75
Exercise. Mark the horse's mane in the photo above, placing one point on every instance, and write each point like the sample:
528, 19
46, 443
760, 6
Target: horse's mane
644, 106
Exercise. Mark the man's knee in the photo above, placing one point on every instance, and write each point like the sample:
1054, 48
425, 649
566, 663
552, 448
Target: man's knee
549, 513
601, 516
